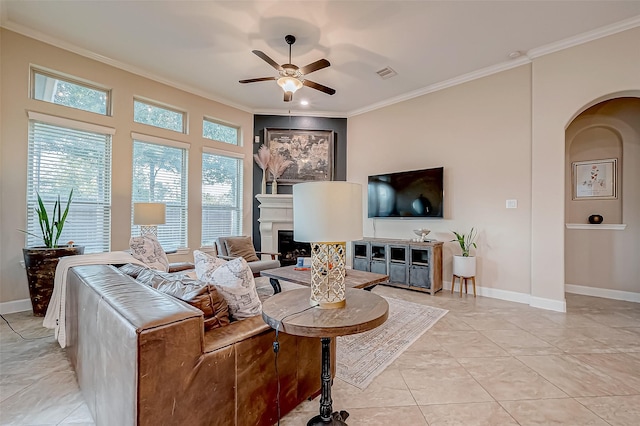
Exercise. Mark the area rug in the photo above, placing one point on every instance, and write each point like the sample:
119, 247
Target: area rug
362, 357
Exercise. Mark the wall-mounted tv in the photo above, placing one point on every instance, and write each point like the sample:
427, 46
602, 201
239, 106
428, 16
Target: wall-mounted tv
409, 194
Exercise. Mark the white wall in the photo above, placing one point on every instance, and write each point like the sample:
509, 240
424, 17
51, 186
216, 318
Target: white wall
564, 84
500, 137
16, 54
480, 132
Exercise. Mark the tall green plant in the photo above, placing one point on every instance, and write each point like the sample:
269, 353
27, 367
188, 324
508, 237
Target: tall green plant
466, 241
52, 227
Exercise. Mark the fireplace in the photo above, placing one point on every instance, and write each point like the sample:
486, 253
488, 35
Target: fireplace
290, 250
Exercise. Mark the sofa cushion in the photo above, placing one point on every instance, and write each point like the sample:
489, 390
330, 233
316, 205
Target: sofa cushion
132, 269
241, 247
147, 249
196, 293
234, 280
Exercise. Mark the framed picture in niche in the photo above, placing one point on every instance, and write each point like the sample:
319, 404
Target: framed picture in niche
310, 150
595, 179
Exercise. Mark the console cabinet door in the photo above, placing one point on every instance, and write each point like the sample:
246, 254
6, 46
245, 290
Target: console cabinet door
419, 276
378, 258
398, 273
398, 264
361, 256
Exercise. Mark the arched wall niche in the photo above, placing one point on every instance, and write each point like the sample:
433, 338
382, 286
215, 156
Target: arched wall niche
600, 261
595, 141
601, 100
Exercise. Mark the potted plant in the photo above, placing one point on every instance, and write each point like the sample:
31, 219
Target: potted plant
465, 265
40, 262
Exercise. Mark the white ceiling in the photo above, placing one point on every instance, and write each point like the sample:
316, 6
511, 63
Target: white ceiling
205, 46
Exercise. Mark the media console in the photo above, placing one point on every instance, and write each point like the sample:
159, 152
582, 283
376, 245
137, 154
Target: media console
409, 264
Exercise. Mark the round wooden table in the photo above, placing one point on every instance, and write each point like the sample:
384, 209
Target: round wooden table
291, 312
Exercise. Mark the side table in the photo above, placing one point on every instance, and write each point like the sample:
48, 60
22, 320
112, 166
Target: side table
291, 313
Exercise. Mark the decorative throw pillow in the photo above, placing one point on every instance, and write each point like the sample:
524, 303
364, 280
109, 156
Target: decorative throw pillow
148, 250
205, 265
196, 293
234, 280
241, 247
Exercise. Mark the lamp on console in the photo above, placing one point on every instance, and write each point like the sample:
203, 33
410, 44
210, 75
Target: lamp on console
148, 216
327, 214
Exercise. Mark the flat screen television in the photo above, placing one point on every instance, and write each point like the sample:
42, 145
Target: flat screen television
409, 194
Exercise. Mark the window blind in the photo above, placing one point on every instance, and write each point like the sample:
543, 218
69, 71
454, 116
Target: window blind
160, 176
61, 159
222, 189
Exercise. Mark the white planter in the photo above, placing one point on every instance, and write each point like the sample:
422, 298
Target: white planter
464, 266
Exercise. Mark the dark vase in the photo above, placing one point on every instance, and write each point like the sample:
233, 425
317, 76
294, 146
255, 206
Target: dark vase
595, 219
40, 263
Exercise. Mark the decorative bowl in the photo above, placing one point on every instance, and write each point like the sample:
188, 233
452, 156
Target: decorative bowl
422, 232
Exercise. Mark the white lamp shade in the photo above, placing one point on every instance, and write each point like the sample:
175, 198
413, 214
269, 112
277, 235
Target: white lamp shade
149, 213
327, 211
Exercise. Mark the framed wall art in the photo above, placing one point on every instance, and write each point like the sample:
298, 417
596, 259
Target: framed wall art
595, 179
310, 150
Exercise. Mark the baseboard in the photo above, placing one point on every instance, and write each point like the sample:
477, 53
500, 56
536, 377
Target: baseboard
548, 304
606, 293
15, 306
510, 296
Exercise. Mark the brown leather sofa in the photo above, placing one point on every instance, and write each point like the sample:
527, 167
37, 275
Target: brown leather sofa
143, 358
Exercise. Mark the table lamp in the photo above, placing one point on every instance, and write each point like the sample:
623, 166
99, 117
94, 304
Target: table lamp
327, 214
148, 216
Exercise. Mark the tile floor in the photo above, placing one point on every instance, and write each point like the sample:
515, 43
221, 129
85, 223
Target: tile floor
487, 362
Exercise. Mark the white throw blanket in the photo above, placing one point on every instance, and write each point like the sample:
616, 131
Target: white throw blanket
55, 317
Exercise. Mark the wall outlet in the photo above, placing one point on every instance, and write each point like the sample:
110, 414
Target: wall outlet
512, 204
256, 139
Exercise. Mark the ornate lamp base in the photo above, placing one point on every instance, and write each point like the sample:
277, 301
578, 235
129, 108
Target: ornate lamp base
328, 262
149, 230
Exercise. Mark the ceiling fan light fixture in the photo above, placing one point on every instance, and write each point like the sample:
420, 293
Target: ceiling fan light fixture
289, 84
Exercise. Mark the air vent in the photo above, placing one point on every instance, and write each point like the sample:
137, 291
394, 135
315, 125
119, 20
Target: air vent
386, 72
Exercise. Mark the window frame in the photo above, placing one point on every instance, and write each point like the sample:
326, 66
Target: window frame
33, 70
105, 176
224, 124
165, 143
157, 104
239, 157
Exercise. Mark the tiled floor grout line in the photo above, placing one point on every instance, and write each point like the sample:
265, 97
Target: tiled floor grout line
609, 400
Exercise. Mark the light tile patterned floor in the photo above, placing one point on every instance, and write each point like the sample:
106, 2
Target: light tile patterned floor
487, 362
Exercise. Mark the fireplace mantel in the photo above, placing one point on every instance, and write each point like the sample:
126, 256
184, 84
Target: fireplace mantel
276, 213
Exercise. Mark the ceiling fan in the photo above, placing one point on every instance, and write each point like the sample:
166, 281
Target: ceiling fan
291, 77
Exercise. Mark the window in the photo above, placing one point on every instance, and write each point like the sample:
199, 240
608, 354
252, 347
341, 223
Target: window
220, 132
158, 116
221, 196
160, 176
59, 90
64, 155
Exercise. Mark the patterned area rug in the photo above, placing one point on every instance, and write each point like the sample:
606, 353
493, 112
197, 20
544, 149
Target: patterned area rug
361, 357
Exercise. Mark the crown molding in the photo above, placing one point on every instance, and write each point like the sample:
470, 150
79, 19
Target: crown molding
474, 75
28, 32
588, 36
285, 112
598, 33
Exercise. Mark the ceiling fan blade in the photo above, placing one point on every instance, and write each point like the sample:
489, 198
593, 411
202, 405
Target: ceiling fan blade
288, 96
253, 80
315, 66
267, 59
318, 86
